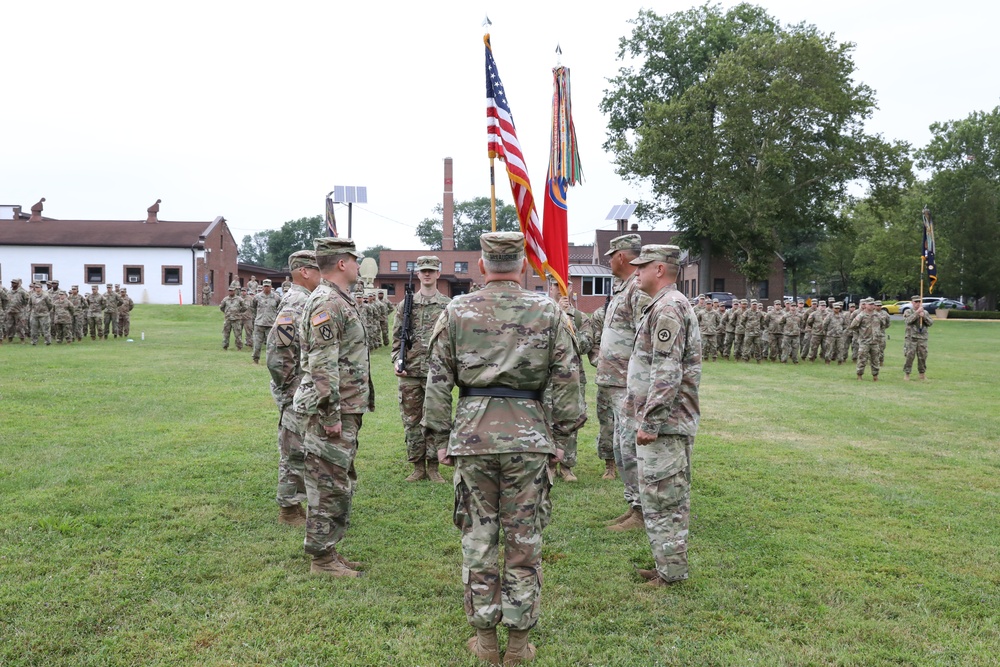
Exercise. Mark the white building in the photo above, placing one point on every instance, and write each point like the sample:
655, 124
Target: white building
159, 262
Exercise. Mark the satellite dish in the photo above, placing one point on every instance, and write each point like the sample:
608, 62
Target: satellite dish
368, 271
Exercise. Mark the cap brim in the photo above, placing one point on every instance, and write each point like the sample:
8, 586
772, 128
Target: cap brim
639, 261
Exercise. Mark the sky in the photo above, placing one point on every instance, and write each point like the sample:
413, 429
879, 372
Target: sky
255, 111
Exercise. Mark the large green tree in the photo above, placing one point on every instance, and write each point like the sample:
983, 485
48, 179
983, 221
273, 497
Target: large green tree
472, 219
748, 133
272, 247
964, 156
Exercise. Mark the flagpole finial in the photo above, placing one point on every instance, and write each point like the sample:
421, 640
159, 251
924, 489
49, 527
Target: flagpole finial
487, 23
558, 55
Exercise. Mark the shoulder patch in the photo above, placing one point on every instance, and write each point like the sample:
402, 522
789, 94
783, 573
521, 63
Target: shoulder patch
320, 317
667, 330
285, 319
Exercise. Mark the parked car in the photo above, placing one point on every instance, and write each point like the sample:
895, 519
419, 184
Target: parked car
951, 304
931, 304
725, 298
892, 307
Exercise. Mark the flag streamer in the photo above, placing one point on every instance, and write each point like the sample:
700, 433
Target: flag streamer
927, 257
331, 219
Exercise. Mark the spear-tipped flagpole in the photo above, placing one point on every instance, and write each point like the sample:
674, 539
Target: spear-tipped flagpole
493, 180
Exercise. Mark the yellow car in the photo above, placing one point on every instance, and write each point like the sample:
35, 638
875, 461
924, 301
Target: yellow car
892, 307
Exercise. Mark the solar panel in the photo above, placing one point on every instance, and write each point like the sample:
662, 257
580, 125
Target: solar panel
621, 212
350, 194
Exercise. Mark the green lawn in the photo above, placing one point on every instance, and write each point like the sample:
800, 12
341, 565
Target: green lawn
834, 522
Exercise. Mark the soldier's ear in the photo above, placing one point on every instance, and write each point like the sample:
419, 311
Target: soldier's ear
482, 267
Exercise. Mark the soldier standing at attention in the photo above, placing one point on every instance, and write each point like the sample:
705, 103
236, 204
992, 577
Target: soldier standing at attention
866, 326
739, 343
335, 392
885, 322
807, 323
17, 311
502, 346
817, 329
249, 313
283, 354
110, 313
915, 338
95, 306
774, 331
620, 322
753, 321
664, 373
206, 294
708, 322
428, 304
790, 324
852, 342
40, 314
125, 313
265, 311
79, 312
384, 310
605, 410
232, 308
252, 285
584, 343
729, 327
62, 315
833, 332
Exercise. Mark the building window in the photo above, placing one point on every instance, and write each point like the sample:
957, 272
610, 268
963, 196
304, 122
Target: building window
411, 266
133, 275
694, 287
93, 274
539, 288
390, 288
461, 267
41, 273
171, 275
685, 287
211, 280
762, 290
595, 286
394, 266
719, 285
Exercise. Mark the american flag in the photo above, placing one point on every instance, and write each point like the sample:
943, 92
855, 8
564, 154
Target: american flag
503, 143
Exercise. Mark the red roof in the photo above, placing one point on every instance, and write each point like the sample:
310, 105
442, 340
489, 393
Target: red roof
105, 233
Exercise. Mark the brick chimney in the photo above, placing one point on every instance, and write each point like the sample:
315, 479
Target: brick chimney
448, 227
17, 212
152, 211
36, 211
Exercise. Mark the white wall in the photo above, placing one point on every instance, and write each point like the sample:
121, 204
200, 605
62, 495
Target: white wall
68, 263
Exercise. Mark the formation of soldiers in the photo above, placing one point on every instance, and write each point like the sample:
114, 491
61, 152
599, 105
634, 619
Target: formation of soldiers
374, 311
46, 313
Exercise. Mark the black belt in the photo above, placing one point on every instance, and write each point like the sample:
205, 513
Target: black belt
500, 392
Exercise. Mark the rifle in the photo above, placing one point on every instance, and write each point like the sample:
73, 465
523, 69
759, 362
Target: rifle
405, 329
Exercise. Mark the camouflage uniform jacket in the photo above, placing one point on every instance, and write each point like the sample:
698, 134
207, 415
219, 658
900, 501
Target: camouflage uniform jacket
740, 321
665, 369
423, 317
249, 307
595, 328
125, 304
336, 373
884, 322
95, 303
62, 308
752, 322
283, 347
620, 322
728, 321
916, 325
79, 304
111, 301
790, 323
708, 322
18, 301
867, 326
834, 325
232, 307
4, 299
266, 308
817, 321
40, 304
503, 336
773, 320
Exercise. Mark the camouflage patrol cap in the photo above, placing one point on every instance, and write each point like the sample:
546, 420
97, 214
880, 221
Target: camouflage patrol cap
626, 242
335, 245
94, 287
231, 288
668, 254
15, 281
878, 303
36, 284
838, 305
109, 285
502, 246
744, 302
428, 263
302, 259
777, 302
75, 287
266, 281
54, 282
915, 298
715, 301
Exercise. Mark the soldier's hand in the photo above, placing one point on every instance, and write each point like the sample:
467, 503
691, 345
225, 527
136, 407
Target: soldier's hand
443, 457
560, 456
565, 304
334, 431
644, 438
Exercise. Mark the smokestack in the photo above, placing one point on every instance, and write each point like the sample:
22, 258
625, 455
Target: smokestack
152, 211
448, 228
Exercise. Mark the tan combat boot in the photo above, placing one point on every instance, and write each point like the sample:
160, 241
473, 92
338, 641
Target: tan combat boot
332, 565
352, 564
621, 517
634, 522
418, 473
566, 473
906, 377
923, 376
291, 516
433, 474
610, 471
874, 378
518, 648
484, 646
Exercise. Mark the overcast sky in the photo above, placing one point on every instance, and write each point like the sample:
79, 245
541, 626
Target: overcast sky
255, 111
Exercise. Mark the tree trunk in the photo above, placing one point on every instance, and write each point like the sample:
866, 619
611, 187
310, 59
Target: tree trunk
704, 267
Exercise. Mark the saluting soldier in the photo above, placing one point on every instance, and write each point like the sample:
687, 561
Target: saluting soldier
502, 346
866, 326
428, 304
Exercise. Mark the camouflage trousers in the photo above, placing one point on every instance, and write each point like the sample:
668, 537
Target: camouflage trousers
247, 331
817, 346
751, 347
234, 327
124, 324
16, 325
868, 353
720, 342
93, 324
624, 445
606, 429
775, 347
665, 489
805, 340
708, 350
110, 323
41, 325
851, 345
291, 466
330, 483
508, 492
834, 348
384, 326
738, 346
63, 331
411, 409
259, 339
727, 345
790, 348
881, 351
918, 349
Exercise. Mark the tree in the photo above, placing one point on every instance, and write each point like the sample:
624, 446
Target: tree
747, 132
272, 247
253, 249
965, 201
375, 251
472, 219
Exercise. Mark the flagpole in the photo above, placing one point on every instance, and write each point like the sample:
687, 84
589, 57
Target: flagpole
493, 194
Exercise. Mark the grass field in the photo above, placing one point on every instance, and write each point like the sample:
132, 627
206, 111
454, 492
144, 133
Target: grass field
834, 522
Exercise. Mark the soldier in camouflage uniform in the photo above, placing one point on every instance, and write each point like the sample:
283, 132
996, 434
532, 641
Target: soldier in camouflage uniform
807, 323
428, 304
249, 314
584, 339
740, 330
206, 294
384, 308
252, 286
833, 332
729, 329
791, 325
285, 286
664, 373
335, 392
605, 409
884, 322
620, 322
708, 322
4, 305
866, 326
79, 312
17, 312
283, 354
110, 303
265, 311
232, 308
915, 339
95, 306
753, 321
817, 330
125, 313
502, 346
775, 331
40, 314
62, 315
852, 341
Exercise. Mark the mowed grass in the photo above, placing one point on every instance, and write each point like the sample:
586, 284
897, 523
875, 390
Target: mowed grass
834, 522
